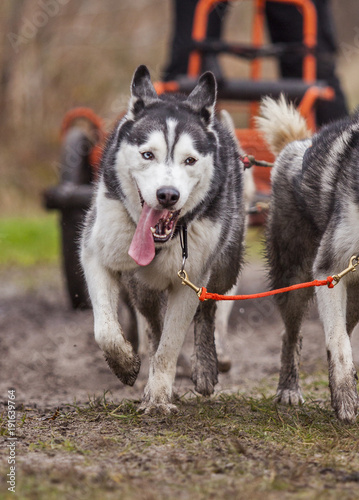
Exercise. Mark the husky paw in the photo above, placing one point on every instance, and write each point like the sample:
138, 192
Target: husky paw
204, 382
124, 363
205, 374
158, 408
345, 404
289, 397
224, 363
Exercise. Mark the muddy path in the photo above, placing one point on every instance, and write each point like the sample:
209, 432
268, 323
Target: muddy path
72, 442
49, 355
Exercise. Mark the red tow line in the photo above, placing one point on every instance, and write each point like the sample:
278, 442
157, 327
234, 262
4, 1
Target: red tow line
215, 296
330, 282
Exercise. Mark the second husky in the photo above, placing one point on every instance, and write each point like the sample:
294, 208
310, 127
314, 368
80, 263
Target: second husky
313, 231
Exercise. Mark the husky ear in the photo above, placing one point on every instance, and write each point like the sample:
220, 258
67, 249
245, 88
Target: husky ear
202, 99
142, 90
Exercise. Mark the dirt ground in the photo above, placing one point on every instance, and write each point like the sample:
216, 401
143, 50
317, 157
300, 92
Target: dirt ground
50, 358
49, 355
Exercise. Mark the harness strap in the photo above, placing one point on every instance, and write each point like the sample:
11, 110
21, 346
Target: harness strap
184, 245
249, 161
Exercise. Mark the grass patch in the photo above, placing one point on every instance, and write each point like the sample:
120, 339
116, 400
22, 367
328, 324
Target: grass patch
228, 446
255, 243
33, 240
28, 241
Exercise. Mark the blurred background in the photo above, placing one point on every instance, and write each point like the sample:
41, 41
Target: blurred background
57, 54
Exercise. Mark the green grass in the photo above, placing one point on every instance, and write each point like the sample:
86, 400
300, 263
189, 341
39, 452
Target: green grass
255, 243
28, 241
227, 446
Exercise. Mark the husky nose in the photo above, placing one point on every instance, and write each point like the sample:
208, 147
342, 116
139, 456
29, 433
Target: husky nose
167, 196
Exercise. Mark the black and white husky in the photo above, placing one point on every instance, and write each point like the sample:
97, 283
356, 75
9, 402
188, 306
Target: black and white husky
313, 232
168, 162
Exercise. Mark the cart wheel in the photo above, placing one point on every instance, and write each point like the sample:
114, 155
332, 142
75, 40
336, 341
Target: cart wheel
75, 169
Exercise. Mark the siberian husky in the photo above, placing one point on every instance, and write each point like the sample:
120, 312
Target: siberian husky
313, 231
168, 163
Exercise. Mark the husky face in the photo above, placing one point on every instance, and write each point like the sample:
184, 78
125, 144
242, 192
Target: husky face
165, 159
166, 170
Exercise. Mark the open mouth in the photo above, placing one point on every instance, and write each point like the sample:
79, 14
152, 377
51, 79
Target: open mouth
165, 227
154, 226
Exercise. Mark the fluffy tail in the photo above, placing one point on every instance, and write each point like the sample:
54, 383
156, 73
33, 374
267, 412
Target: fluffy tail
281, 123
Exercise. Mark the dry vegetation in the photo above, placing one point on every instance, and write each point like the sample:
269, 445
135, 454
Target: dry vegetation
56, 54
82, 56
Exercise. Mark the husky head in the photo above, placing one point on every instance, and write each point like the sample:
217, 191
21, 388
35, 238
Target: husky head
165, 159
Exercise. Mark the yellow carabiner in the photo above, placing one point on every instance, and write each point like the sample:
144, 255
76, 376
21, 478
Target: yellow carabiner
353, 263
185, 281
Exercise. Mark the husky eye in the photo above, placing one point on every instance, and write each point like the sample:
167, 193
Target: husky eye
148, 155
190, 161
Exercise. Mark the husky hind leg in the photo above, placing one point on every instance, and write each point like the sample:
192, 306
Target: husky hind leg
223, 278
292, 310
352, 308
290, 256
292, 307
342, 374
205, 366
149, 307
224, 310
332, 305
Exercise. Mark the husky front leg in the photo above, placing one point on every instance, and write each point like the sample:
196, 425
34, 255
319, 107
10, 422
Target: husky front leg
104, 289
332, 304
181, 307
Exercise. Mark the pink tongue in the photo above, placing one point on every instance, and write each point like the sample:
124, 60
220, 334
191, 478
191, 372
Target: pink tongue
142, 248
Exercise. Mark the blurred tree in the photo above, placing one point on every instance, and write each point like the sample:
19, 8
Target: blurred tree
11, 16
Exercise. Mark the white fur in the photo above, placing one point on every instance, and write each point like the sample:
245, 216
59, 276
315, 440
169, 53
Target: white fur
171, 133
112, 219
346, 236
281, 123
191, 181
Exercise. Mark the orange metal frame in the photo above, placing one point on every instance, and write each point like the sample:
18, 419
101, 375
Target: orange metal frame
309, 14
199, 31
308, 11
251, 140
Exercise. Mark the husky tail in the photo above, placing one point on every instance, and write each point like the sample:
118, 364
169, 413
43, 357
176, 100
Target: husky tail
281, 123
